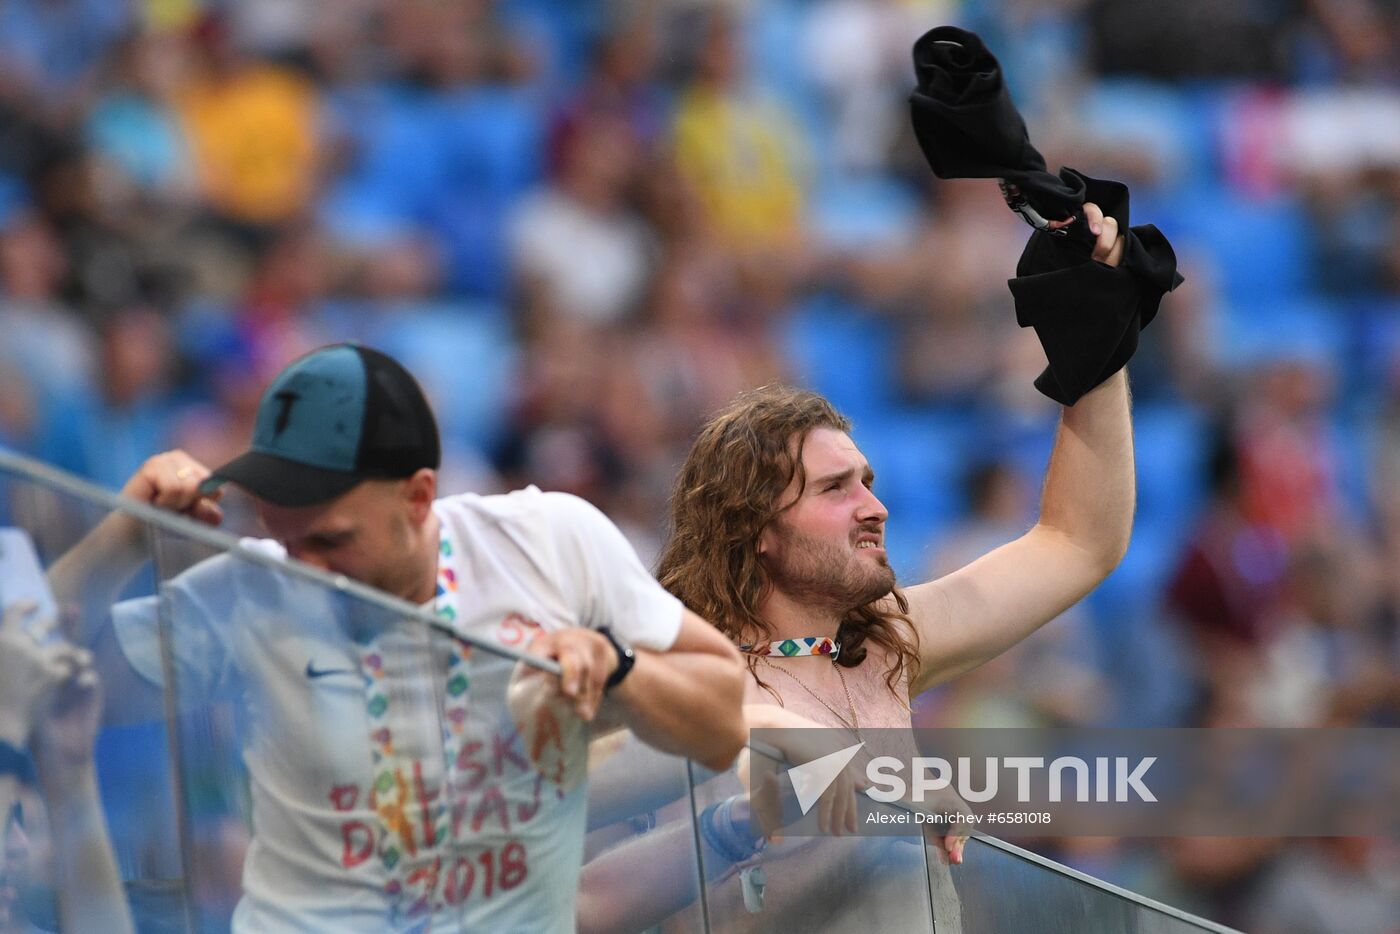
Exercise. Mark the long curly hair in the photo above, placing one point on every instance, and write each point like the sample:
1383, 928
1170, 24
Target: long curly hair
728, 492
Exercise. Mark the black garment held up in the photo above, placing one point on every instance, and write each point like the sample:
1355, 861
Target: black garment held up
1087, 315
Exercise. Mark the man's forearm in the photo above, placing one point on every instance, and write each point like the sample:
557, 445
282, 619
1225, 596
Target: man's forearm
90, 896
93, 572
640, 883
1090, 485
687, 703
627, 777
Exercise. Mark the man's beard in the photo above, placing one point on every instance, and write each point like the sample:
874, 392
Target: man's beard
818, 573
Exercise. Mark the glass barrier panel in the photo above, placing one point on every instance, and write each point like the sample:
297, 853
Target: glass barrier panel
282, 733
367, 771
124, 728
805, 881
999, 890
285, 754
276, 751
641, 867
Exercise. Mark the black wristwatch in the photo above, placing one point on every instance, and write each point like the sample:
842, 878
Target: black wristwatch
626, 658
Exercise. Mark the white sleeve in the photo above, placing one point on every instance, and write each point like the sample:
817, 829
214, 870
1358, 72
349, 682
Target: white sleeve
200, 654
602, 573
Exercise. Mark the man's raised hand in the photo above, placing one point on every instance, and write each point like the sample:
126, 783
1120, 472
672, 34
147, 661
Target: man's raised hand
1108, 242
171, 481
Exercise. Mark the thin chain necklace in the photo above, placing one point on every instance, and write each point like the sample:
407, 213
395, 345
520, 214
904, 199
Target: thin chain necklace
854, 723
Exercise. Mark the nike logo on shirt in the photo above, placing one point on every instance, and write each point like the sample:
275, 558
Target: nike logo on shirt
314, 672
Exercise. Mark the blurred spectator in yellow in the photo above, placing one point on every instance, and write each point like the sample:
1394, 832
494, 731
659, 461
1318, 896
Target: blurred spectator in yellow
252, 128
739, 152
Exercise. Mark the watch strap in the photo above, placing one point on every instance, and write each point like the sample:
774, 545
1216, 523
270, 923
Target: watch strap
626, 658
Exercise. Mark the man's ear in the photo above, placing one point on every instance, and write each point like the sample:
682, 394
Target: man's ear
420, 490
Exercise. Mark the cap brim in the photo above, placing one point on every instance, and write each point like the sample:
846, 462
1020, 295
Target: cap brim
280, 481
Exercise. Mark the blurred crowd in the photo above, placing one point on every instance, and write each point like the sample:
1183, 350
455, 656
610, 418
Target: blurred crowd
587, 223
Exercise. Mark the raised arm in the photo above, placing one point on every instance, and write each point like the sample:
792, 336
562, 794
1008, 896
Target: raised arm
90, 895
90, 576
50, 701
1086, 515
93, 572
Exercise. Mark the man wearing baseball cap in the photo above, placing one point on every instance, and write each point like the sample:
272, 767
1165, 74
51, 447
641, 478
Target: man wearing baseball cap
332, 419
372, 767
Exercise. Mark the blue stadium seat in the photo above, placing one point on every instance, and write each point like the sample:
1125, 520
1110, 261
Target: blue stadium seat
919, 463
1135, 588
465, 359
843, 352
1263, 248
773, 33
1174, 124
492, 141
398, 163
1354, 440
492, 138
1262, 329
1374, 349
14, 197
1025, 445
1171, 450
862, 213
471, 226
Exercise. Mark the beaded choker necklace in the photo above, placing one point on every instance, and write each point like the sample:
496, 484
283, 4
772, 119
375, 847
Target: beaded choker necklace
795, 648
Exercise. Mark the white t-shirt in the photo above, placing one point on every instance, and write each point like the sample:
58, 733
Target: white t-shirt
338, 847
593, 264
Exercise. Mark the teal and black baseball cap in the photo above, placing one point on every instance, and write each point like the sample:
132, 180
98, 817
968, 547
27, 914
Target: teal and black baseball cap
333, 418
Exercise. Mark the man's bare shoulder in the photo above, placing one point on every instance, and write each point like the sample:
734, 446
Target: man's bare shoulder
926, 603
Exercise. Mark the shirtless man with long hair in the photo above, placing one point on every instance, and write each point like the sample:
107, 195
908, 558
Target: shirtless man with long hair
778, 536
778, 539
